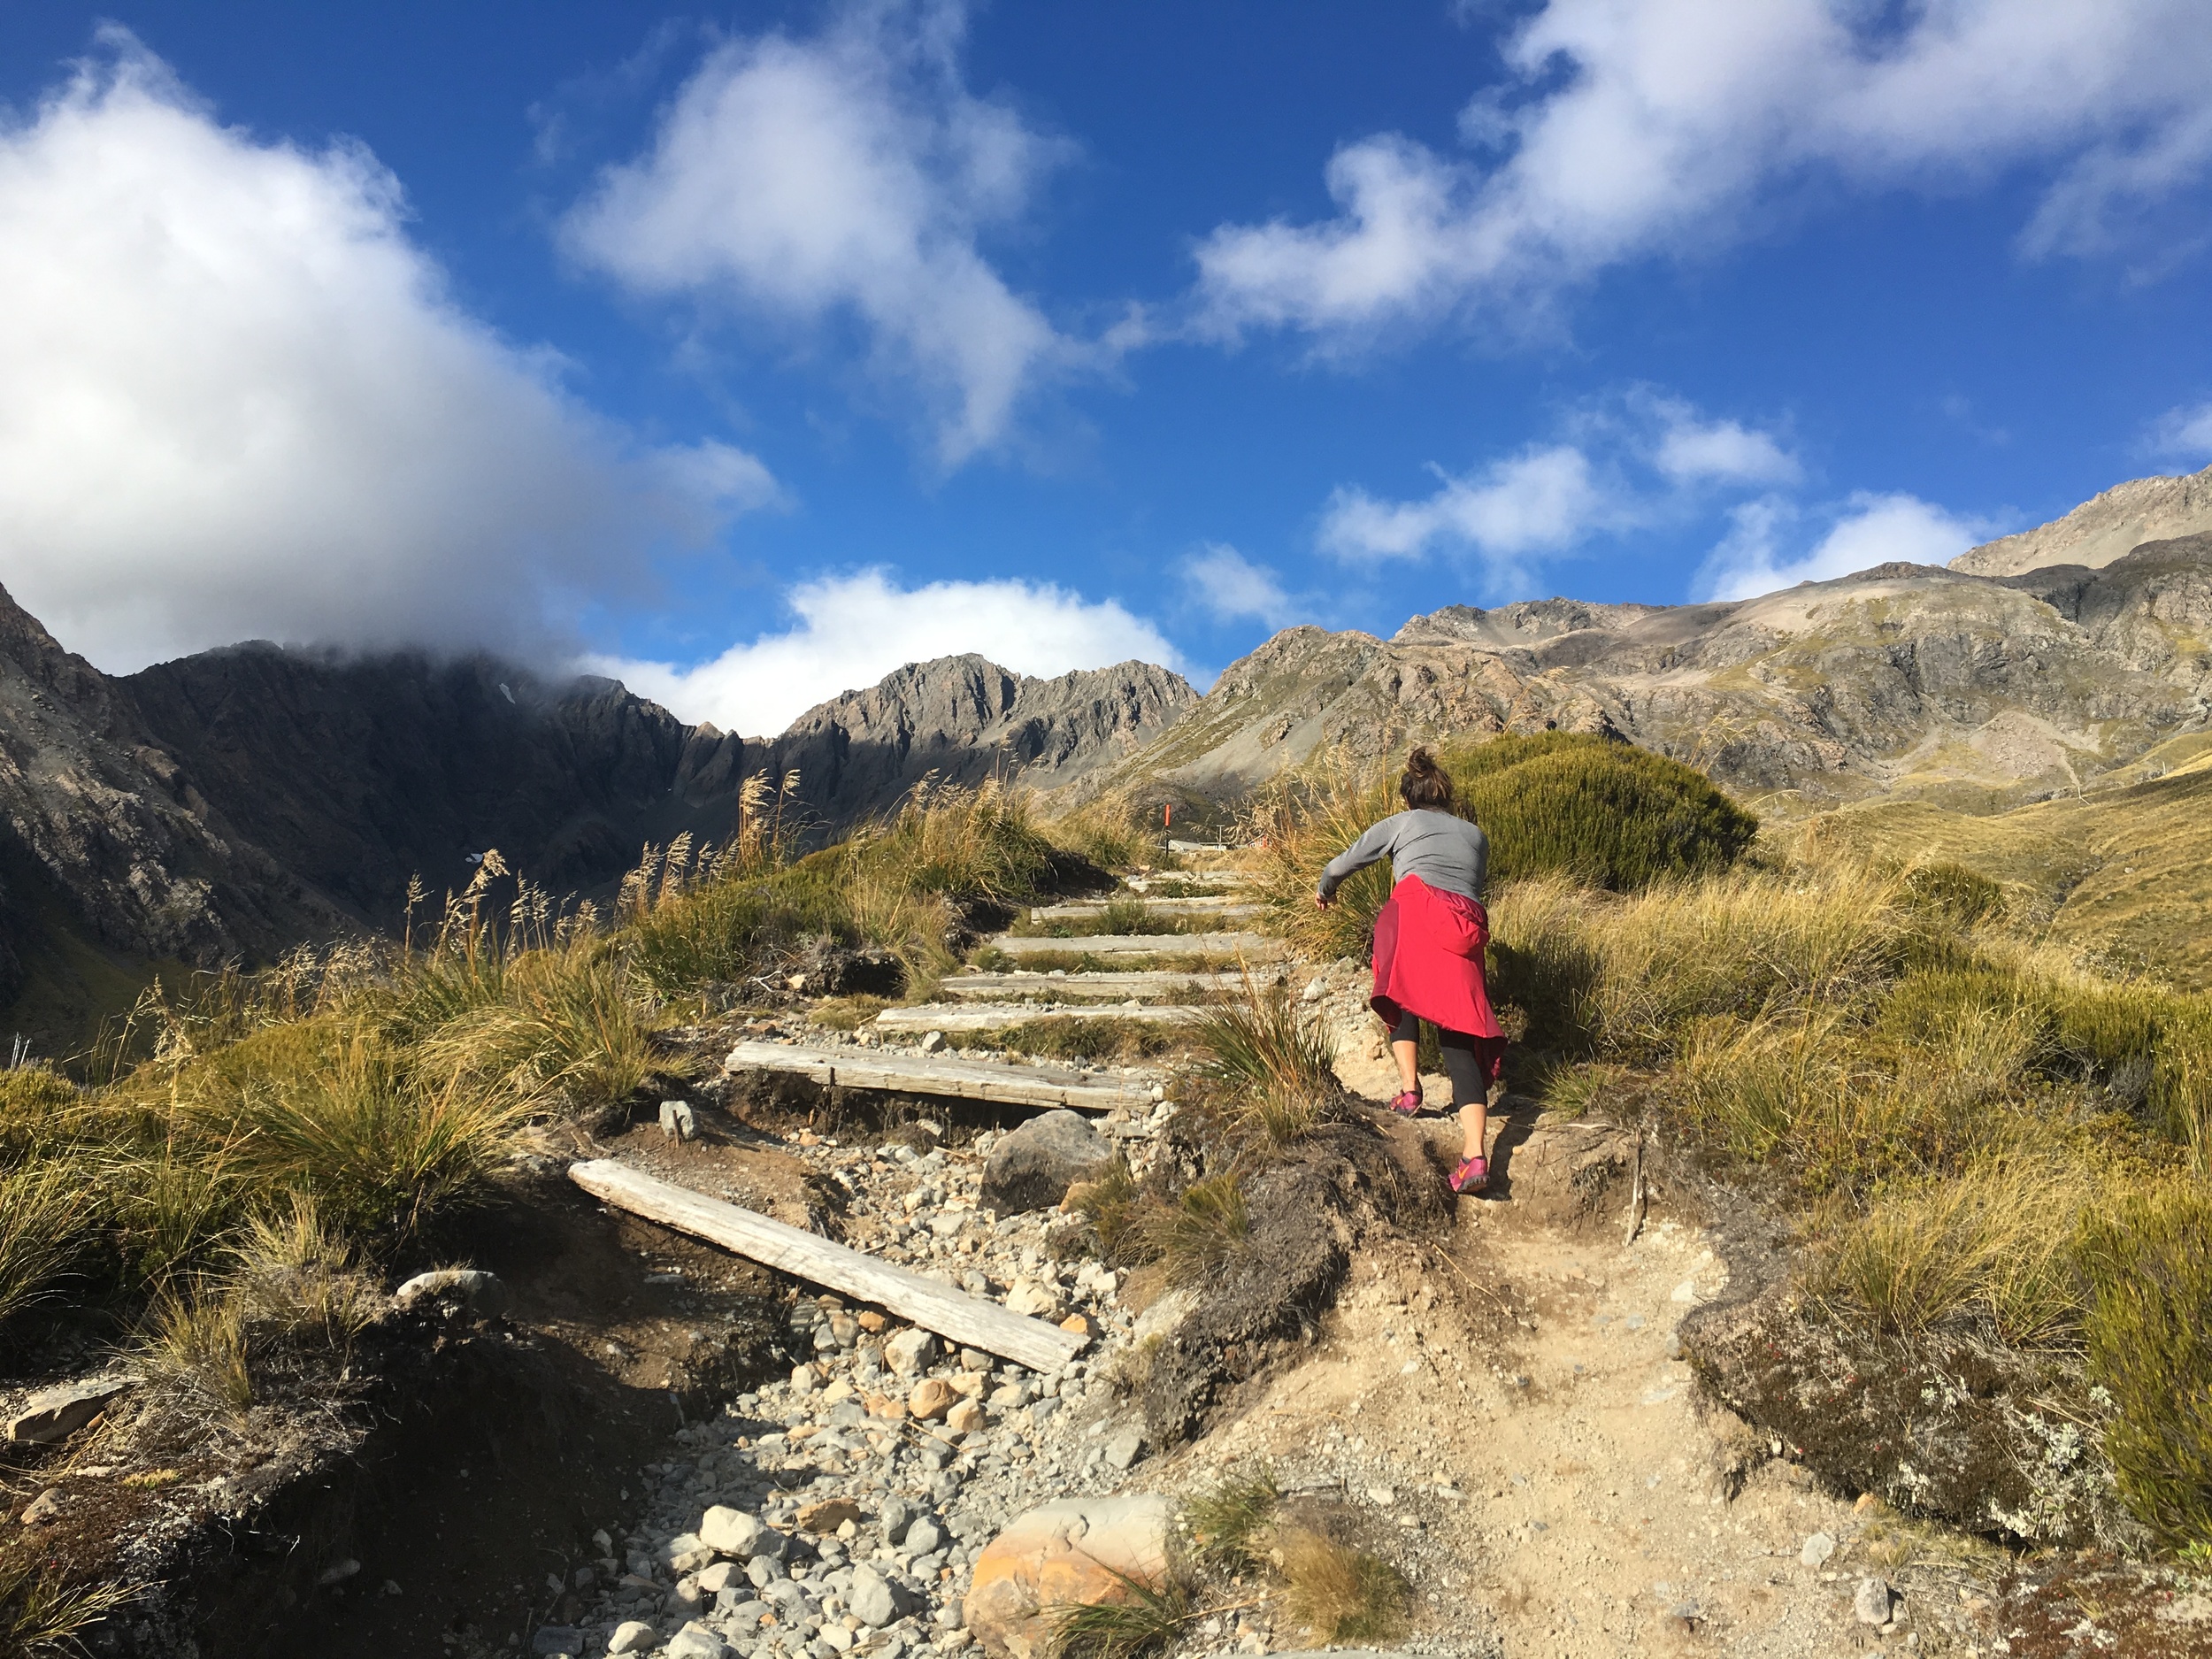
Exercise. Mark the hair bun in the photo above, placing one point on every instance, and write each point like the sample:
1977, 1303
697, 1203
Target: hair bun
1421, 763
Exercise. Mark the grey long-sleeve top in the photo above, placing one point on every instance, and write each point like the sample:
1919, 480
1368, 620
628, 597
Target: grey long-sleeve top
1442, 848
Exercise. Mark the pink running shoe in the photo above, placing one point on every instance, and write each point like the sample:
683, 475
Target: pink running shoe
1408, 1103
1472, 1176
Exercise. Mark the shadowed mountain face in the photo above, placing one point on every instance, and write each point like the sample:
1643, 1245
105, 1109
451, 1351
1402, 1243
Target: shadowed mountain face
1904, 680
229, 804
109, 855
965, 719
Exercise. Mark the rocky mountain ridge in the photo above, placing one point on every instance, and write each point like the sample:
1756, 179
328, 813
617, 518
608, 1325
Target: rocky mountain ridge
2107, 526
1907, 680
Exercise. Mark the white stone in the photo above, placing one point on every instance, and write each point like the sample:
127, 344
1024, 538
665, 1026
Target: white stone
633, 1636
678, 1122
910, 1352
872, 1599
729, 1532
1818, 1549
696, 1640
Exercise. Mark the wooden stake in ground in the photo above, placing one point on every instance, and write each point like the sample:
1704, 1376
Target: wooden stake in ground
969, 1320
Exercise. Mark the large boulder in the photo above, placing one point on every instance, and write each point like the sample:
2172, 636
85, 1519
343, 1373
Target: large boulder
1078, 1550
1033, 1167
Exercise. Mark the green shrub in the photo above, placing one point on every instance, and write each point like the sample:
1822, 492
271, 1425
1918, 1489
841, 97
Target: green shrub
2150, 1349
1606, 813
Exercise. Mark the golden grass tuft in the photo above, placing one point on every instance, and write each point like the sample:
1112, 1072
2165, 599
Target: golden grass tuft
1205, 1229
1274, 1064
1337, 1593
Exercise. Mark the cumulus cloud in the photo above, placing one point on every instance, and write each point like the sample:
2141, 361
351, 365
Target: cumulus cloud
847, 176
236, 401
1873, 529
1628, 128
1230, 588
2184, 433
1631, 458
853, 630
1541, 500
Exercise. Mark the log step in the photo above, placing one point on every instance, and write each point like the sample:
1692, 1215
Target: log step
928, 1074
1149, 982
968, 1320
1226, 906
1257, 945
938, 1016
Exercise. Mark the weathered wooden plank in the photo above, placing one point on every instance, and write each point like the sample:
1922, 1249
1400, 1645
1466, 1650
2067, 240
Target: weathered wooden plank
966, 1319
1225, 906
1147, 982
1144, 944
1191, 878
926, 1074
936, 1017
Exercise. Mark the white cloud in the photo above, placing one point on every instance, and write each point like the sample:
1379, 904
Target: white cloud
846, 175
1541, 500
235, 400
1635, 127
1633, 458
1875, 530
2185, 432
1233, 588
1691, 451
854, 630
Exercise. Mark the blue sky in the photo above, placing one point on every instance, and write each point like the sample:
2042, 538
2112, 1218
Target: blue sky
749, 353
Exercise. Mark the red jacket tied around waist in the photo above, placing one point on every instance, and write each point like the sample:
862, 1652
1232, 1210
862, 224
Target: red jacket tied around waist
1428, 959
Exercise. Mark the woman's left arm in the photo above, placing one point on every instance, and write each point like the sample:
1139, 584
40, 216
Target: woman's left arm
1371, 849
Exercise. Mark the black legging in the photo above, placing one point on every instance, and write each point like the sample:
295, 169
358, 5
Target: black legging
1460, 1061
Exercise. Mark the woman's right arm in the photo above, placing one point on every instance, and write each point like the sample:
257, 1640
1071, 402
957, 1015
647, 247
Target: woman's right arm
1371, 849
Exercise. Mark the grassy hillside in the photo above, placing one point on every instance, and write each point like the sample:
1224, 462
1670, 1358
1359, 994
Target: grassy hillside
2120, 875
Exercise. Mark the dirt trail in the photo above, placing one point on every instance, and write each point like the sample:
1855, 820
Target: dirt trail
1506, 1417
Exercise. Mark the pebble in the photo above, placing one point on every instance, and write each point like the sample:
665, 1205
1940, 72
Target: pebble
633, 1636
1818, 1549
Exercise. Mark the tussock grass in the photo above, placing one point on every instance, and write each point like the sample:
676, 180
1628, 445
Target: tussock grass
2000, 1240
1338, 1593
46, 1217
1142, 1618
1113, 830
2149, 1331
1203, 1231
1275, 1063
41, 1615
1227, 1526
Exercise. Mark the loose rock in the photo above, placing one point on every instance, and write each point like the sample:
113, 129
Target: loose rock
481, 1294
1871, 1604
1033, 1166
634, 1636
1818, 1549
55, 1414
872, 1599
910, 1352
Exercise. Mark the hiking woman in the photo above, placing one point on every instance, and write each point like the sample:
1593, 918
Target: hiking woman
1429, 941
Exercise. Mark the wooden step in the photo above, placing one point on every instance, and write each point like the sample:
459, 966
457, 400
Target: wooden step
930, 1074
1191, 878
939, 1016
1224, 905
1257, 946
1115, 987
933, 1305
